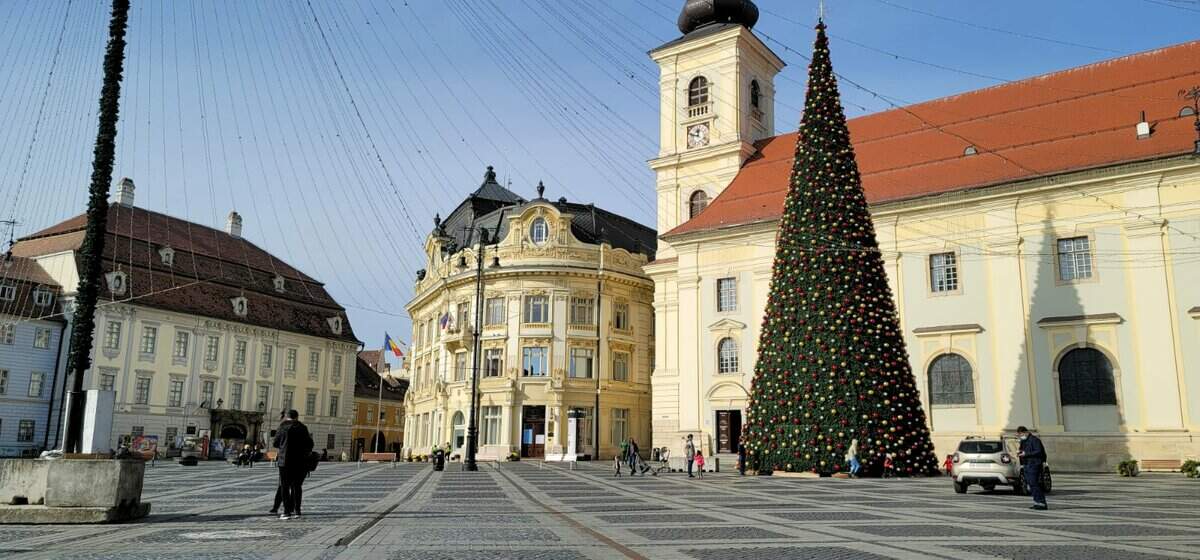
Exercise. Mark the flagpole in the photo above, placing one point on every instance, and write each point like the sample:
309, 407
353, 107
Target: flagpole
379, 404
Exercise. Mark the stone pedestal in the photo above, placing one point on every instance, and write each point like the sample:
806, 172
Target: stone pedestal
71, 490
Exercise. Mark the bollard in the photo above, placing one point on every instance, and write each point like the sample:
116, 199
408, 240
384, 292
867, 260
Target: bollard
716, 464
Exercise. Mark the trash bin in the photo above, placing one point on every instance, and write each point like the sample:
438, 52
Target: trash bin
439, 460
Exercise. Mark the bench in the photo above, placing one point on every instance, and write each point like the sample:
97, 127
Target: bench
1169, 465
369, 457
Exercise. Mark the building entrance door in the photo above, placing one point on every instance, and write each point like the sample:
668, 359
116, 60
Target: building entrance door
533, 431
729, 429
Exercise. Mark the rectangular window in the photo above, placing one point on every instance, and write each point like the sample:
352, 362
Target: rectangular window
460, 366
112, 336
464, 315
3, 381
330, 441
620, 425
491, 425
310, 404
620, 319
8, 292
107, 381
239, 353
149, 339
172, 432
268, 354
288, 393
534, 361
25, 430
314, 363
495, 311
583, 428
137, 431
36, 380
583, 311
212, 349
537, 309
235, 396
493, 362
42, 297
581, 363
41, 338
181, 345
264, 396
1074, 258
207, 390
289, 361
620, 366
8, 333
333, 406
141, 392
337, 365
943, 272
726, 294
175, 398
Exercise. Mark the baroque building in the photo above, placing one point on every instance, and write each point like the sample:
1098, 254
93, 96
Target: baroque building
200, 332
1037, 236
566, 328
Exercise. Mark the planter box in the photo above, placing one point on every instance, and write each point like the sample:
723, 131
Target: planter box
71, 491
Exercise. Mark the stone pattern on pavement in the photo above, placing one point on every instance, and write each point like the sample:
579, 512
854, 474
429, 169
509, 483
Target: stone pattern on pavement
531, 511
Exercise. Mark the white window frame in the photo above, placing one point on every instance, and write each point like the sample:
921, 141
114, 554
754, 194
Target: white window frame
582, 363
42, 297
1076, 263
620, 425
268, 356
310, 404
943, 273
141, 389
314, 362
264, 396
535, 361
493, 425
212, 348
289, 360
149, 341
496, 311
539, 231
493, 362
208, 392
620, 366
175, 392
180, 348
460, 366
727, 300
112, 335
240, 347
237, 391
8, 333
37, 384
728, 357
537, 310
583, 311
620, 318
8, 292
41, 337
334, 405
26, 430
3, 381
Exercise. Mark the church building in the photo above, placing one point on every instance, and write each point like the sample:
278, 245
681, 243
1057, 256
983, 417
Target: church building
1040, 240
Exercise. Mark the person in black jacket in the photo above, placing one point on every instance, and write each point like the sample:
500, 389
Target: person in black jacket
1033, 456
295, 445
278, 487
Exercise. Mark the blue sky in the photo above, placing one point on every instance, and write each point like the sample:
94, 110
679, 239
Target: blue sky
251, 105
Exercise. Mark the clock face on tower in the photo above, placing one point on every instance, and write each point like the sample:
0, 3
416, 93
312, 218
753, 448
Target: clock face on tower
697, 135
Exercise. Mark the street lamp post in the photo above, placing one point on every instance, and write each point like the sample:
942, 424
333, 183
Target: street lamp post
473, 424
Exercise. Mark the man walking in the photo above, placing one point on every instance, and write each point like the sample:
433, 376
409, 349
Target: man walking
294, 444
689, 453
1033, 456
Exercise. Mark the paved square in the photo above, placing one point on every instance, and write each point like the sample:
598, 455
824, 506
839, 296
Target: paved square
530, 511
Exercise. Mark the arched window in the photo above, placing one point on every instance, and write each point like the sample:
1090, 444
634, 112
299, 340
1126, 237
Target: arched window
697, 202
727, 356
755, 94
951, 381
459, 426
698, 91
539, 232
1085, 376
1187, 111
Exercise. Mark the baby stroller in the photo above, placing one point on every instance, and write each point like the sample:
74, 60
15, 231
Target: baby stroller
664, 461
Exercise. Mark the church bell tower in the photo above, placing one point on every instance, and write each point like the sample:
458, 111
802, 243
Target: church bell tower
717, 94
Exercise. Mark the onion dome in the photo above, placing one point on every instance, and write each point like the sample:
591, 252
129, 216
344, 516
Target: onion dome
698, 13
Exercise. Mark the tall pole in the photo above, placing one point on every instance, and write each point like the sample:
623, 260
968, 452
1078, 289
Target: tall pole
92, 250
599, 348
379, 407
472, 424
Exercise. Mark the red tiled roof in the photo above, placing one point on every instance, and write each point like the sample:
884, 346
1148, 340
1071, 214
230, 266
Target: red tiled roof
373, 358
209, 269
1065, 121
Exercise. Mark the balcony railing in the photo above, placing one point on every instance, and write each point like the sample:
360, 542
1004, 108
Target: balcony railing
697, 111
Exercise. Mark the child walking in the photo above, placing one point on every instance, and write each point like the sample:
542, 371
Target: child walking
852, 458
699, 463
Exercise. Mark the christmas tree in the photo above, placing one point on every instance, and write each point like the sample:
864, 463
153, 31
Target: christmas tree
832, 368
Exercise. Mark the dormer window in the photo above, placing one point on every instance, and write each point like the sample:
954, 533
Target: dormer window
42, 297
118, 282
539, 232
167, 255
698, 91
240, 306
280, 284
8, 292
755, 95
335, 324
697, 203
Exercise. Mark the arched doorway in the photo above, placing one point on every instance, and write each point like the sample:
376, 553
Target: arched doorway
378, 443
459, 425
1087, 391
233, 431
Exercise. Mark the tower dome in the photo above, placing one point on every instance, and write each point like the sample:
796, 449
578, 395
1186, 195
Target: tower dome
698, 13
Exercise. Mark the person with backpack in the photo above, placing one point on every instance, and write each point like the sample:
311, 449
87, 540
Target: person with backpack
294, 460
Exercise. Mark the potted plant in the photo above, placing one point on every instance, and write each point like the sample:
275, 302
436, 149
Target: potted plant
1128, 467
1190, 468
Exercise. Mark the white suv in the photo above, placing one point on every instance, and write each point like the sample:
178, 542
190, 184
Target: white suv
991, 462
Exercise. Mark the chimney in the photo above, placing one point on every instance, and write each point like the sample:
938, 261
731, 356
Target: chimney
125, 192
233, 226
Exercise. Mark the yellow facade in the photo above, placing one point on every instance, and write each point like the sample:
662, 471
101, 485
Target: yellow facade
374, 416
529, 381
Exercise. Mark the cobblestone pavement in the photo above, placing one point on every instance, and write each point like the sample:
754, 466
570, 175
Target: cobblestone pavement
531, 511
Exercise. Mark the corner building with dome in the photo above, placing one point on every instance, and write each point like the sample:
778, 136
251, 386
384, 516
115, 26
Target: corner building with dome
567, 329
1036, 237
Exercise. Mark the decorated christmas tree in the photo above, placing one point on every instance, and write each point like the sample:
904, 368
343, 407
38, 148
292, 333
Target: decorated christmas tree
832, 369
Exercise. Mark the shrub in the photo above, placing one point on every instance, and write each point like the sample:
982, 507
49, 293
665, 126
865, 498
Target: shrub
1191, 468
1128, 467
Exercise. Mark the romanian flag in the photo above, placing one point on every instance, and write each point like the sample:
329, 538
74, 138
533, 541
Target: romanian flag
389, 344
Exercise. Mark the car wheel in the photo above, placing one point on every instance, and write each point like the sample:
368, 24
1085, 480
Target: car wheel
960, 487
988, 487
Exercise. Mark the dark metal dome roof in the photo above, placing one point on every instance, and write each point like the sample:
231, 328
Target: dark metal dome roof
698, 13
